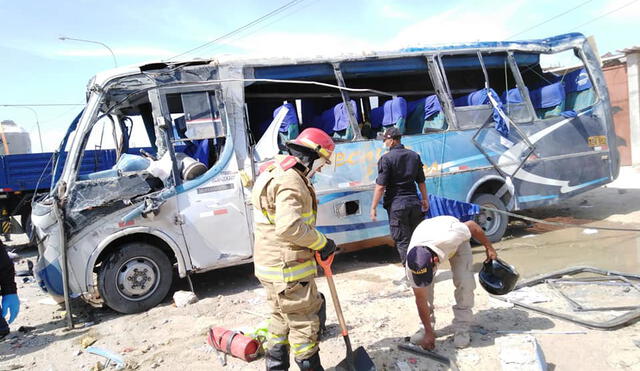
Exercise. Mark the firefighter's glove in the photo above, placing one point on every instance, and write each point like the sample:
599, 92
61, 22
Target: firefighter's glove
10, 304
328, 249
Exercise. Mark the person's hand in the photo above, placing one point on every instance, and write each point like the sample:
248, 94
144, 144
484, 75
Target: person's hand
328, 249
428, 341
491, 253
425, 205
373, 214
10, 304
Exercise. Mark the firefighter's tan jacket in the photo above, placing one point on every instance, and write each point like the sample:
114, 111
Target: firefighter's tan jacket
285, 209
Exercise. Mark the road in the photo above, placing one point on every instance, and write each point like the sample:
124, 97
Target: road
378, 312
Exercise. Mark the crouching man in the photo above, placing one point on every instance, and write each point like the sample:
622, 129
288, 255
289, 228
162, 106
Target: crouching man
433, 242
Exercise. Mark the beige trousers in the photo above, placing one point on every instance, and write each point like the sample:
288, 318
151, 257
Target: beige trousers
461, 265
294, 316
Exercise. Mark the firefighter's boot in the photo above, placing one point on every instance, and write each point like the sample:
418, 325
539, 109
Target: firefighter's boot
310, 364
277, 358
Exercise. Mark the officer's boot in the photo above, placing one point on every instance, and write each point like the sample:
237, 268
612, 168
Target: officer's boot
310, 364
277, 358
322, 314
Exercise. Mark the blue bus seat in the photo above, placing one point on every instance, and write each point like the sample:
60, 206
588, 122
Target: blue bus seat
425, 115
549, 100
392, 113
290, 126
476, 98
580, 93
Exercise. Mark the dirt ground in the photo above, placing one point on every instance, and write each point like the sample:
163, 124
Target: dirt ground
379, 313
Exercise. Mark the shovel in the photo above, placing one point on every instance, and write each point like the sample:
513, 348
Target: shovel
354, 361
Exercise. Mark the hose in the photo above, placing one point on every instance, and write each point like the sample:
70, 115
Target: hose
558, 223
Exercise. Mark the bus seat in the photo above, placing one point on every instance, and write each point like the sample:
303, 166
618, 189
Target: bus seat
476, 98
392, 113
549, 100
425, 115
290, 126
580, 93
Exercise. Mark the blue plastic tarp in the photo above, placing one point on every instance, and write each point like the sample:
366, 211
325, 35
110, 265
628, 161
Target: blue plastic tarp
439, 206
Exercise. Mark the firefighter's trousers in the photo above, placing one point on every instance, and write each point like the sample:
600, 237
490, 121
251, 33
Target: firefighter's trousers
294, 316
461, 264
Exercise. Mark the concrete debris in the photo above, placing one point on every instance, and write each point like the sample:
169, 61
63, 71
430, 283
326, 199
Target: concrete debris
521, 353
184, 298
87, 341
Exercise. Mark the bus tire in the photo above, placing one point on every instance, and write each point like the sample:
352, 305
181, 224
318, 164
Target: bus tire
494, 224
135, 278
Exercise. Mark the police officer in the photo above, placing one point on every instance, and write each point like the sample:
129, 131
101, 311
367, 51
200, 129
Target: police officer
10, 302
286, 241
398, 172
435, 241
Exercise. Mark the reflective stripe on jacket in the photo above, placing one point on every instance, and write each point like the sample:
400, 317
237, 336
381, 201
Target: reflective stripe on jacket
285, 210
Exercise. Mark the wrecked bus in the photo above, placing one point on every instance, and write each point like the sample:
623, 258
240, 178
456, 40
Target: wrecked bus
492, 124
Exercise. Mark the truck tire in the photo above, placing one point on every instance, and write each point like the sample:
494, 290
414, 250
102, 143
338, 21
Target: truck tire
135, 278
494, 224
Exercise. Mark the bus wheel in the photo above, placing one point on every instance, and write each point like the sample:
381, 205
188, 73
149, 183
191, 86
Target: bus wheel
135, 278
493, 223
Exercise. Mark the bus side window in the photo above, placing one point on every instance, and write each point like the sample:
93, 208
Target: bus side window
559, 85
411, 104
198, 131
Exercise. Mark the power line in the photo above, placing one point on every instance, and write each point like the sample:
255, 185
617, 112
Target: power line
248, 25
605, 14
240, 37
550, 19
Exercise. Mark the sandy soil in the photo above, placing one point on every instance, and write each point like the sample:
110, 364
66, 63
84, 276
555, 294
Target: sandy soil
379, 313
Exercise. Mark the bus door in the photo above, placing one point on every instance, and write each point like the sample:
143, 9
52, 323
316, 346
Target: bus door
211, 204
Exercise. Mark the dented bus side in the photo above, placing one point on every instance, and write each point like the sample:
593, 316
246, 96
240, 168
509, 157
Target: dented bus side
492, 124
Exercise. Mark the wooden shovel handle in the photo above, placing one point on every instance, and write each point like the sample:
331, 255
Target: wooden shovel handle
326, 266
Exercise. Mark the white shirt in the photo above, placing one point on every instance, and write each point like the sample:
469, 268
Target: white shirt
442, 234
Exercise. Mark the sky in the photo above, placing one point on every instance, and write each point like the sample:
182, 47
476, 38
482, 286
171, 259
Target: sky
41, 69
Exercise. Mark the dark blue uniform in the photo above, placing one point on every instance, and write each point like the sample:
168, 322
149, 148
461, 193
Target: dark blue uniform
398, 171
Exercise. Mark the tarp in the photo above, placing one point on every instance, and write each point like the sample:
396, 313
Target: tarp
439, 206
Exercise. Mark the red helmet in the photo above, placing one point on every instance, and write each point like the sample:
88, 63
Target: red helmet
317, 140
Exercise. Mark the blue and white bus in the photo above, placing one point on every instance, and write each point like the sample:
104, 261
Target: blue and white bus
492, 124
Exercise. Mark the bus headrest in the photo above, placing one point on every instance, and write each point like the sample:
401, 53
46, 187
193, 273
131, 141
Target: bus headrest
547, 96
431, 106
577, 80
476, 98
390, 112
291, 118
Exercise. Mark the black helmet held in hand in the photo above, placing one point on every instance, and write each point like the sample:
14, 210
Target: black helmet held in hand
498, 277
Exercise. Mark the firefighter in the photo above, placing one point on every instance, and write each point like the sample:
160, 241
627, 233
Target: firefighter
434, 241
399, 170
286, 241
10, 302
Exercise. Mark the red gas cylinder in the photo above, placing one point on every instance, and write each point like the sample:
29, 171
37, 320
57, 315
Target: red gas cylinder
235, 343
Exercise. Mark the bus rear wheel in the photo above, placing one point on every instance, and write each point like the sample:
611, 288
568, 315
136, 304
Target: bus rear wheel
135, 278
493, 223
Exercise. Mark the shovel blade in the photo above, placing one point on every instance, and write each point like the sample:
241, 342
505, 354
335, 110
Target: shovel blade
359, 360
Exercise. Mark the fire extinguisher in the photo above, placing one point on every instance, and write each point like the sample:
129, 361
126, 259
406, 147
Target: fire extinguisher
233, 342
